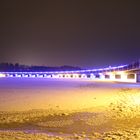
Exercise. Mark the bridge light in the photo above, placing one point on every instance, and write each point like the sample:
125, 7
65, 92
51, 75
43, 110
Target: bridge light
10, 75
67, 75
75, 75
18, 75
26, 75
60, 76
83, 76
2, 75
92, 75
54, 76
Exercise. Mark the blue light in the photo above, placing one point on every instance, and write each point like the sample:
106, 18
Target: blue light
48, 74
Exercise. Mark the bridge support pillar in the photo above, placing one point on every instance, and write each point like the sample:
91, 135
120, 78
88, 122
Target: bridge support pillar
138, 77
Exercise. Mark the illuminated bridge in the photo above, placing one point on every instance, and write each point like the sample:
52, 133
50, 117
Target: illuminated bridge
124, 73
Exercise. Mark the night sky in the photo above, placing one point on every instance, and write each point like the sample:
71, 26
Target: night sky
85, 33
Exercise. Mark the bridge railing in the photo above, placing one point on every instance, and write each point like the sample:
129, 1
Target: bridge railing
131, 66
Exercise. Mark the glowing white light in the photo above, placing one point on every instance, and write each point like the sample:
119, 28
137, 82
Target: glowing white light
111, 76
83, 76
31, 75
10, 75
79, 74
54, 76
48, 76
92, 76
75, 75
25, 75
68, 76
101, 76
18, 75
60, 75
45, 75
2, 75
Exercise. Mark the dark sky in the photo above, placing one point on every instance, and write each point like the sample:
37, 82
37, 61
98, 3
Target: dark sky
86, 33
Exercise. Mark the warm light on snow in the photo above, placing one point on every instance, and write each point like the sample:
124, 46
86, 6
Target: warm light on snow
136, 99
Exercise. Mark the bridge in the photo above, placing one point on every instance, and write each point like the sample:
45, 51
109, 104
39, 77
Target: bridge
123, 73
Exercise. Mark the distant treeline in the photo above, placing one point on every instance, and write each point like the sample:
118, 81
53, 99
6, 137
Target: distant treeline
17, 67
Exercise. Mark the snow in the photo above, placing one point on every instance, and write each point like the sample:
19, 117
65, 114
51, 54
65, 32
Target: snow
64, 107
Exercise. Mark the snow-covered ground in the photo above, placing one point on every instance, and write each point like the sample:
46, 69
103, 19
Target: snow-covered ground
69, 109
38, 93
